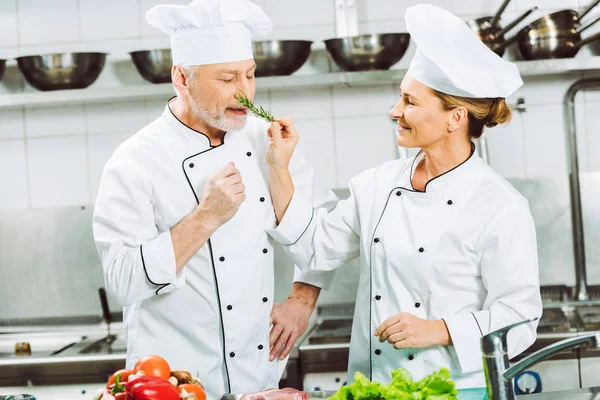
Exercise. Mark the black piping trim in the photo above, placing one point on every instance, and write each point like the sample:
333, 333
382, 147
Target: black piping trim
305, 229
477, 322
162, 285
371, 282
212, 260
190, 128
433, 179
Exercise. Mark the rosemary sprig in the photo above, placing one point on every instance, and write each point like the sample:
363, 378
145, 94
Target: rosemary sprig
259, 112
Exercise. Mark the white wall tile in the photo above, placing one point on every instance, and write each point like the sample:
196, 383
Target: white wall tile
285, 13
481, 8
154, 108
44, 22
547, 5
8, 22
505, 144
364, 100
386, 26
13, 175
145, 5
363, 143
316, 33
318, 147
388, 9
54, 121
58, 172
100, 149
12, 82
544, 138
539, 90
11, 124
302, 104
592, 136
109, 19
125, 116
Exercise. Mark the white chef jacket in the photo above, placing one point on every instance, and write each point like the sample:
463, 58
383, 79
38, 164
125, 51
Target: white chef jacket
463, 250
213, 318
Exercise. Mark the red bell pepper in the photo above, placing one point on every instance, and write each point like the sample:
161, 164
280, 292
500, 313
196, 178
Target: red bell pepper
151, 388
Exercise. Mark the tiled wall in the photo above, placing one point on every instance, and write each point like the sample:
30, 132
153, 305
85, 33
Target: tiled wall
53, 156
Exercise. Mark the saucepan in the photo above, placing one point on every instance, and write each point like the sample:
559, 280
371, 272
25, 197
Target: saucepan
556, 35
490, 32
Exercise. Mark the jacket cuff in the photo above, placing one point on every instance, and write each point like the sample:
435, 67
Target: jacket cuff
295, 222
466, 333
158, 260
320, 279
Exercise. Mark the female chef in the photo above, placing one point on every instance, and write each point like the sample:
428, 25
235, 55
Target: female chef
447, 247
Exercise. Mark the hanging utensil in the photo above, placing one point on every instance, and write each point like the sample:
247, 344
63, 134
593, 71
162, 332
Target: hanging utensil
556, 35
493, 35
496, 17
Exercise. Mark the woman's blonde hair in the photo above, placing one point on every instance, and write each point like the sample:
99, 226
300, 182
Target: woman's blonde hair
482, 112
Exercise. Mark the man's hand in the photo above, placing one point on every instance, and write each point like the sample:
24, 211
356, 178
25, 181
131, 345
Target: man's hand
406, 331
290, 319
223, 195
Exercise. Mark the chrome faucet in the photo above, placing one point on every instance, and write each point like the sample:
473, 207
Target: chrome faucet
498, 372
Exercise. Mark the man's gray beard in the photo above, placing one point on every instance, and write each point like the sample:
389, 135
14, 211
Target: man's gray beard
220, 122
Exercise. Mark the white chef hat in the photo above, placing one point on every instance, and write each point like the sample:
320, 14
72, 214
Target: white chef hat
210, 31
451, 59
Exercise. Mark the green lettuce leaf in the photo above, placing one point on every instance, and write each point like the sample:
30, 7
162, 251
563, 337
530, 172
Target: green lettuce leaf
436, 386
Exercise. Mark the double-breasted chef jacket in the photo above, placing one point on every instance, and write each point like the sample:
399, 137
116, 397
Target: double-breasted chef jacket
213, 318
464, 250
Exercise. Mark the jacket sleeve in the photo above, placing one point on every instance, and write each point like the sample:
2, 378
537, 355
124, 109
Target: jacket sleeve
509, 270
138, 260
319, 239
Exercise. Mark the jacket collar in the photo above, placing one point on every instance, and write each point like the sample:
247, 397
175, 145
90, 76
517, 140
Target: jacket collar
448, 181
182, 129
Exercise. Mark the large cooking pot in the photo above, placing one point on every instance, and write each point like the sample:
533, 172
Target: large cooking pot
556, 35
490, 32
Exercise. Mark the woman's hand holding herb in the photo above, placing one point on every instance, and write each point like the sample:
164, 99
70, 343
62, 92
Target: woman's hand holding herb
284, 139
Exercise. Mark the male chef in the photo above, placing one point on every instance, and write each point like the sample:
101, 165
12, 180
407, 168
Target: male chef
182, 210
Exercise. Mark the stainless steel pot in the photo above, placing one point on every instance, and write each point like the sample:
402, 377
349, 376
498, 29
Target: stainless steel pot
61, 70
2, 68
490, 32
368, 52
153, 65
280, 57
557, 35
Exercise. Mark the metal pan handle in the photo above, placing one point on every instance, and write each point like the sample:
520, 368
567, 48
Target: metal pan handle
516, 22
587, 40
496, 17
588, 9
589, 24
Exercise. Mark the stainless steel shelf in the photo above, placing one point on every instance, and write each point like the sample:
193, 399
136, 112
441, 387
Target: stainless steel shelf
120, 93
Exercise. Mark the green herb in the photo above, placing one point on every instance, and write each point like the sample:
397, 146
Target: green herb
259, 112
437, 386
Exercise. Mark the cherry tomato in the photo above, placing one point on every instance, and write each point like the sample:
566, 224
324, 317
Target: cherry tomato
124, 376
153, 366
193, 389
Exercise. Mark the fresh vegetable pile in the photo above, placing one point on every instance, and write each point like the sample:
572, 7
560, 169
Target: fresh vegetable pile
152, 379
437, 386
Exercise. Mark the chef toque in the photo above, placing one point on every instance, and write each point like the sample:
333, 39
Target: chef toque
451, 59
210, 31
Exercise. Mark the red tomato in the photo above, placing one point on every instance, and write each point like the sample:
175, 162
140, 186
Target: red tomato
193, 389
124, 376
153, 366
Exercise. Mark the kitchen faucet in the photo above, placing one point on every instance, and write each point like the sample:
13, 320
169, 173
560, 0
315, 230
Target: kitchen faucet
498, 372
